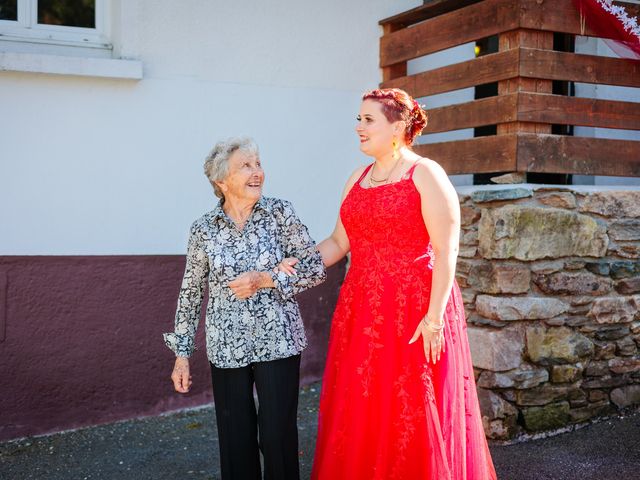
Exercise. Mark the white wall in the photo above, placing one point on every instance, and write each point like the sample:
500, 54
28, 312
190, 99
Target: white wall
435, 60
104, 166
593, 46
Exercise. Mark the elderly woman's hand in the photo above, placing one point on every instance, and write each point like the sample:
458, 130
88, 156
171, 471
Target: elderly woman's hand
247, 284
287, 265
180, 375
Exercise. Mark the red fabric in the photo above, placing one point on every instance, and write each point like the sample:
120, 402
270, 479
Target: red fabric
385, 413
608, 26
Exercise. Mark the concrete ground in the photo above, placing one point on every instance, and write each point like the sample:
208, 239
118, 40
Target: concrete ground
184, 446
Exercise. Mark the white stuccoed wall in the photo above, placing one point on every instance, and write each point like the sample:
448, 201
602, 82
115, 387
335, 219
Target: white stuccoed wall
592, 46
103, 166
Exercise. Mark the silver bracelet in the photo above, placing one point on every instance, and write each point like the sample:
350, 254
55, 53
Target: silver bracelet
432, 328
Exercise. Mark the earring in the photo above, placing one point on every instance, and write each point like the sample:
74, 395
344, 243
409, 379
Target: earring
394, 144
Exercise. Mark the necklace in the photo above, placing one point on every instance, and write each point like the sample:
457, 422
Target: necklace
384, 180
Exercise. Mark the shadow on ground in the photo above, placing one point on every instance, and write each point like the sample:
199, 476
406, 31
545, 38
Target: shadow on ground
184, 446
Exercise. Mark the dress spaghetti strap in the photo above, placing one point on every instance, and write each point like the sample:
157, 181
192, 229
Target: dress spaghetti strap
364, 174
409, 173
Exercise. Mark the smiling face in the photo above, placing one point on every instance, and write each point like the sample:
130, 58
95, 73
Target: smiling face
375, 131
245, 178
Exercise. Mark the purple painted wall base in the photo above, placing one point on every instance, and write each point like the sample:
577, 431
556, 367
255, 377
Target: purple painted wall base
81, 344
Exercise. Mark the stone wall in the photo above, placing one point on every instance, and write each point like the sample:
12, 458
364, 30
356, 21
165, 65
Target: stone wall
551, 283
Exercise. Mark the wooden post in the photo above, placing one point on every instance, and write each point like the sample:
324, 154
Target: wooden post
532, 39
397, 69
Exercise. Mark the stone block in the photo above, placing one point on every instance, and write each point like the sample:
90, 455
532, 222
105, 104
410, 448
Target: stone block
627, 250
626, 347
573, 283
558, 199
486, 322
585, 413
469, 237
496, 350
519, 308
500, 429
525, 376
606, 381
624, 269
611, 332
628, 286
615, 309
547, 267
626, 396
494, 406
624, 365
557, 345
532, 233
512, 177
597, 369
467, 252
625, 229
495, 278
549, 417
604, 351
484, 196
544, 394
612, 204
566, 373
596, 396
468, 215
599, 268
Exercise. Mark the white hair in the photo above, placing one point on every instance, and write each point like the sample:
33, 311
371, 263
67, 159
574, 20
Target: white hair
216, 165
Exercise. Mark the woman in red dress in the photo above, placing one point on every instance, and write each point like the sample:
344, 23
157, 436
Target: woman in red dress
398, 397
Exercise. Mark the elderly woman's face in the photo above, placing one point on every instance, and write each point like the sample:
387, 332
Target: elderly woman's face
245, 178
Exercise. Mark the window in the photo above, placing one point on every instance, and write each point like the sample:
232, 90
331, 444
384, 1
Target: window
62, 22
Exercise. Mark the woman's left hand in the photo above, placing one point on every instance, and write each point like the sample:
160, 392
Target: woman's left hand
287, 266
433, 341
246, 285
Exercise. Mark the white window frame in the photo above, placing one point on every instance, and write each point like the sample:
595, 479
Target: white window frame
27, 28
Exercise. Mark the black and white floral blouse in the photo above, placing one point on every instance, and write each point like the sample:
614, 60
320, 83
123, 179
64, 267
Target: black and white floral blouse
266, 326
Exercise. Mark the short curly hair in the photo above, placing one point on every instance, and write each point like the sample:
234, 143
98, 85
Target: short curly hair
216, 165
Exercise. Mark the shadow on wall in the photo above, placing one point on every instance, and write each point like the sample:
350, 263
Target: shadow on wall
83, 345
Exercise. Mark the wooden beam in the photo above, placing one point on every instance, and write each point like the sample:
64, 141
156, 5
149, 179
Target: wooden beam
449, 30
586, 112
486, 111
579, 155
485, 69
536, 63
557, 16
496, 153
430, 9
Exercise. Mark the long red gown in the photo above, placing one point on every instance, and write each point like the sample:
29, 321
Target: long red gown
385, 412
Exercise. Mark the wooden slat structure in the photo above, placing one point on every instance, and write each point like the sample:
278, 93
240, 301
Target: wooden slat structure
525, 69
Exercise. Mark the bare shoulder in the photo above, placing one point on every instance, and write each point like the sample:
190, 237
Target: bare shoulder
428, 170
355, 175
353, 178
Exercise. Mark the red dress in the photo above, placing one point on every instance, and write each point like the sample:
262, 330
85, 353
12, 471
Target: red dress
385, 412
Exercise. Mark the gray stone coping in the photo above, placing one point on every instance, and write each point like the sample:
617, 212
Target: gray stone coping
469, 189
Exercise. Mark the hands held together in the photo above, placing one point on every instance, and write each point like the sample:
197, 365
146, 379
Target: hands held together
246, 285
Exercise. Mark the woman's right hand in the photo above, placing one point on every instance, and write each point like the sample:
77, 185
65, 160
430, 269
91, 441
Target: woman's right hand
287, 265
181, 376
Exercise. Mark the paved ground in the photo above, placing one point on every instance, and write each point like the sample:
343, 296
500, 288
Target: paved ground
184, 446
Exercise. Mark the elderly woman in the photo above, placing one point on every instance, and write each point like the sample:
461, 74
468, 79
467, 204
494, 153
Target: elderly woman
253, 326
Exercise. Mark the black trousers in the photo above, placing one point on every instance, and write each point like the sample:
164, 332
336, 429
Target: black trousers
274, 424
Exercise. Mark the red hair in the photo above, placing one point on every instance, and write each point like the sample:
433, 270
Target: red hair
398, 105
